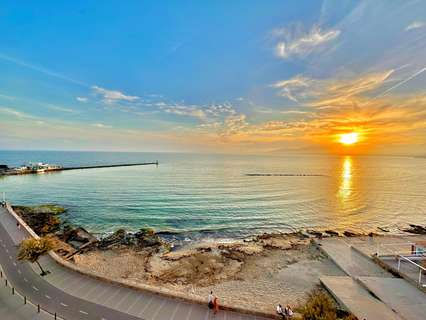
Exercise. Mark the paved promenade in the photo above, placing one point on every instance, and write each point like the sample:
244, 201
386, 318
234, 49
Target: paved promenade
75, 296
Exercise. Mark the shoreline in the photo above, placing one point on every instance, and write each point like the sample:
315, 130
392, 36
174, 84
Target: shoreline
275, 268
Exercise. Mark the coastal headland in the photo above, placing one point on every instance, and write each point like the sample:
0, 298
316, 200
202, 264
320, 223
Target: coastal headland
257, 272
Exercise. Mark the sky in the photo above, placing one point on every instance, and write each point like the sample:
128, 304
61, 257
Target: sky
258, 77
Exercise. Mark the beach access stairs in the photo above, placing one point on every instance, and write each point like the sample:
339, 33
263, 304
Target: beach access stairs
368, 291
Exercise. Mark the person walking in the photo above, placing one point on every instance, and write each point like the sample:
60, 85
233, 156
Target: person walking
288, 312
210, 300
280, 311
216, 305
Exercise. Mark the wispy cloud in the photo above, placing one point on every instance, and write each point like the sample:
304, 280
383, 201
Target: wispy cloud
110, 96
293, 87
40, 69
101, 125
295, 43
82, 99
15, 113
415, 25
411, 77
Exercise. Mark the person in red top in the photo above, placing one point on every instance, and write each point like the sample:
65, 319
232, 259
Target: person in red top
216, 305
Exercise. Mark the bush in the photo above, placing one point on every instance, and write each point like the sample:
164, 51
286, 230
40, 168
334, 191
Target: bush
319, 307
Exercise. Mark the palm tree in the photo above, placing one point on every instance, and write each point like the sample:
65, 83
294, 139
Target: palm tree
32, 249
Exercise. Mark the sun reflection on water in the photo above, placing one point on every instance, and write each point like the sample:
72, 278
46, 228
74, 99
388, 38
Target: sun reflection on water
345, 188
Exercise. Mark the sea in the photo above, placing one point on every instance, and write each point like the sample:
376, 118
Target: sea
196, 196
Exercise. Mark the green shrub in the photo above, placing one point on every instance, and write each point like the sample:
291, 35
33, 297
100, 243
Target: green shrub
319, 307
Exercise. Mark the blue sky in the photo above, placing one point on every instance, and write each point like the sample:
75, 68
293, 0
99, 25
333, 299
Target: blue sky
212, 76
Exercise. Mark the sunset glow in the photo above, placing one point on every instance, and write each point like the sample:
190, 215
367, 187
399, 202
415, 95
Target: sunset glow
349, 138
298, 86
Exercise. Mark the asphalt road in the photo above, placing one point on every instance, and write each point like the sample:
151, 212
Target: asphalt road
39, 291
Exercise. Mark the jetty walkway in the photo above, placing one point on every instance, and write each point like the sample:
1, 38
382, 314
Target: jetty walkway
72, 295
369, 291
17, 172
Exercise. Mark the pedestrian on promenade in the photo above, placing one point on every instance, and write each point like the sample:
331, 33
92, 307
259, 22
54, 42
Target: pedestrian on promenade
210, 300
280, 311
216, 305
288, 312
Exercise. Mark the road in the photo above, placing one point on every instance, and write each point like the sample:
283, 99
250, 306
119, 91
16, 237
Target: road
75, 296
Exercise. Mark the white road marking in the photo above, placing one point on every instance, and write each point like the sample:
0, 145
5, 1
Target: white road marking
48, 297
14, 264
63, 304
158, 309
35, 288
7, 251
136, 300
10, 257
25, 279
83, 312
19, 271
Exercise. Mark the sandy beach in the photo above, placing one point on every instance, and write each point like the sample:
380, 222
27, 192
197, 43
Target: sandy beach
258, 273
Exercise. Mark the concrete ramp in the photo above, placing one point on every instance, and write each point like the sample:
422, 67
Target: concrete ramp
350, 261
357, 299
408, 301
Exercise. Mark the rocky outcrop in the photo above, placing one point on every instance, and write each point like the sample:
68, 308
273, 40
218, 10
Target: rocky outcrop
144, 238
416, 229
77, 237
43, 219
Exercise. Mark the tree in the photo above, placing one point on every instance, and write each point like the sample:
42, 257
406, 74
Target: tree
32, 249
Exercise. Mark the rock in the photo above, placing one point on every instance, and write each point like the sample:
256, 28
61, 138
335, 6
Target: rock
80, 234
147, 238
332, 233
416, 229
351, 234
384, 229
315, 233
117, 238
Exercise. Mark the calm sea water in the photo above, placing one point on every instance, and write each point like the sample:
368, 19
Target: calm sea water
211, 195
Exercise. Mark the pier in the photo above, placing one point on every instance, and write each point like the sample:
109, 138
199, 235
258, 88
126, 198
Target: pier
5, 171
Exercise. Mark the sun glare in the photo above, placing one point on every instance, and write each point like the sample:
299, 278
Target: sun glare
349, 138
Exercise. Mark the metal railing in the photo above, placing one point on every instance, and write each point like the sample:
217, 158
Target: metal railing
421, 268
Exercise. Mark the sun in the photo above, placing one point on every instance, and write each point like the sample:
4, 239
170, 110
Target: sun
349, 138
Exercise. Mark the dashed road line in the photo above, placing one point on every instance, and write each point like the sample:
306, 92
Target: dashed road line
83, 312
35, 288
25, 279
63, 304
48, 297
19, 271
